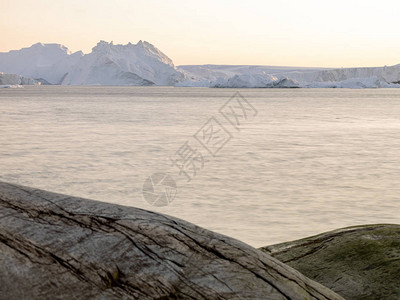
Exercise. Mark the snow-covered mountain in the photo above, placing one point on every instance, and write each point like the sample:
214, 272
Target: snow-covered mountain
107, 64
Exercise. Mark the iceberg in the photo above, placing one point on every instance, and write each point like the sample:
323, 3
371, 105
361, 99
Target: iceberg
14, 80
254, 81
47, 61
107, 64
142, 64
10, 86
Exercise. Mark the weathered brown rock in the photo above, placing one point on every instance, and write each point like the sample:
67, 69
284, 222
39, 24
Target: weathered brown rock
360, 262
55, 246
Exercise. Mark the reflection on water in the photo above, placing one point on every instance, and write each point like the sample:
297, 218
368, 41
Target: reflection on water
310, 161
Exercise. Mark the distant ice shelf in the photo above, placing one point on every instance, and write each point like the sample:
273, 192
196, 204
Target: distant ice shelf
289, 77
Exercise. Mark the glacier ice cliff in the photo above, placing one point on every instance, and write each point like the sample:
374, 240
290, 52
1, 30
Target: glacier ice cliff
289, 77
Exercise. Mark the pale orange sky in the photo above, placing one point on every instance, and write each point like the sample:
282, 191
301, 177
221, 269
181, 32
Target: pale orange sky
287, 33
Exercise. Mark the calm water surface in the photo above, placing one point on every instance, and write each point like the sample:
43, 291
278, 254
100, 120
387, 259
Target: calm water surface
310, 161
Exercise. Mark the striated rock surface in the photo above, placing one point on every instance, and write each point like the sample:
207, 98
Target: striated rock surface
360, 262
54, 246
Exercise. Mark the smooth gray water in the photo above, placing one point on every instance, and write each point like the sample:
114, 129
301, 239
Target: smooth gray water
311, 160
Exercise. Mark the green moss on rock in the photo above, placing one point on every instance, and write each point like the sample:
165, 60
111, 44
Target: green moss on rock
361, 262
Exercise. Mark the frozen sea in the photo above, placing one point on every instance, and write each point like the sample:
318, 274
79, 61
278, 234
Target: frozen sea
300, 162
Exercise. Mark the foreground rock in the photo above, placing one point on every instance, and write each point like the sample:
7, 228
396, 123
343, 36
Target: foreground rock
54, 246
361, 262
